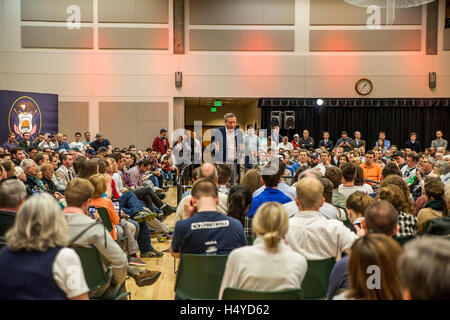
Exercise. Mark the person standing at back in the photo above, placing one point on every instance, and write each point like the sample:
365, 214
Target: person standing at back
439, 141
161, 143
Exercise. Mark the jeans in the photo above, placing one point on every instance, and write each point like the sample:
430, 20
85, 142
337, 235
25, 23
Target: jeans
136, 225
155, 181
130, 204
167, 176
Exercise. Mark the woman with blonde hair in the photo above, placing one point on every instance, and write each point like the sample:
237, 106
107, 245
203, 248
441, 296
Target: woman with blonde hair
377, 254
406, 220
99, 199
270, 264
35, 263
356, 206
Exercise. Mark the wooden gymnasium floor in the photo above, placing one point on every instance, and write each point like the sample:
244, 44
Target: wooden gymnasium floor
163, 289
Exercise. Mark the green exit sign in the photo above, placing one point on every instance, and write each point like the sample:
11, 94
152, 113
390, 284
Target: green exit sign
213, 109
217, 103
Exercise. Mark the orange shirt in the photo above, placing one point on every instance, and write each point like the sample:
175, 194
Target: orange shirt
113, 216
372, 173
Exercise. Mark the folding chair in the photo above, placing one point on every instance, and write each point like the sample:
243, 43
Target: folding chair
239, 294
315, 284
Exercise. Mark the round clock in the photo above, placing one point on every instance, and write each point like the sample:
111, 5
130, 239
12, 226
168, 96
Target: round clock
364, 86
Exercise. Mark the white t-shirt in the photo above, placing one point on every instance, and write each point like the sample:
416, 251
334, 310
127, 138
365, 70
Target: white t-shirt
347, 191
77, 145
68, 273
316, 237
287, 146
257, 268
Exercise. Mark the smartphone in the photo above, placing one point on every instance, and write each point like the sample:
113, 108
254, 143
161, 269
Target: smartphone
91, 212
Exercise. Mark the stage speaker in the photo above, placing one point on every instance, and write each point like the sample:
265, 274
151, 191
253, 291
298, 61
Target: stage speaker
289, 120
275, 119
178, 79
432, 80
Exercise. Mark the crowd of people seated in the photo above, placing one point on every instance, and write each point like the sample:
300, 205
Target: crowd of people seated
294, 204
80, 179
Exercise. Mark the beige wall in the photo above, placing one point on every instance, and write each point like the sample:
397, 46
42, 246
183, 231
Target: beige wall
73, 117
143, 76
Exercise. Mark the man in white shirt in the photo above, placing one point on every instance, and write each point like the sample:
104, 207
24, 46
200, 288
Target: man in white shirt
206, 170
77, 144
348, 176
312, 235
325, 162
285, 144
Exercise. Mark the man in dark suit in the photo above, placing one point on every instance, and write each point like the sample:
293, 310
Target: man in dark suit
227, 145
358, 142
276, 135
326, 142
306, 142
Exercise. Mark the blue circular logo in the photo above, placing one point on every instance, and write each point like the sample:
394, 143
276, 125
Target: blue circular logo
25, 117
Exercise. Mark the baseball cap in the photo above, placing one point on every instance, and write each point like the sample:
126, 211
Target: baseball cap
315, 155
398, 154
162, 130
98, 135
296, 136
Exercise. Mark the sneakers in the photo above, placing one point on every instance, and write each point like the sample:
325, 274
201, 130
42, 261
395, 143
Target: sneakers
146, 278
152, 254
163, 237
142, 216
168, 209
136, 261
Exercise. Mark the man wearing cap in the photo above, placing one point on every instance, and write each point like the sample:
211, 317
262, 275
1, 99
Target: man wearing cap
285, 144
296, 141
306, 142
100, 142
326, 142
345, 141
161, 143
399, 157
314, 159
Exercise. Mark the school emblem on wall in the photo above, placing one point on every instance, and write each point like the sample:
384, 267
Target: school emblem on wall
25, 117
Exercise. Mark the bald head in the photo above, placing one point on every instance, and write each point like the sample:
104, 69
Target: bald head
381, 217
309, 194
207, 170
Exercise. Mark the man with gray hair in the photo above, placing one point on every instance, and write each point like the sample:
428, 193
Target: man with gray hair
227, 145
34, 185
424, 269
206, 170
12, 195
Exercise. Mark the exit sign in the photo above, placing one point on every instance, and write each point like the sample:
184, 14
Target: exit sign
213, 109
217, 103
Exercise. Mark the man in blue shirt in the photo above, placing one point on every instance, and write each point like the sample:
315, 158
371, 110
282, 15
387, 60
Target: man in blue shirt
61, 143
100, 142
386, 142
206, 231
271, 192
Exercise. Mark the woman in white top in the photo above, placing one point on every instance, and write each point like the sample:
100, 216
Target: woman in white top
270, 264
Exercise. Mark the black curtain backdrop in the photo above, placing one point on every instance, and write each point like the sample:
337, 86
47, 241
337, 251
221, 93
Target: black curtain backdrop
398, 122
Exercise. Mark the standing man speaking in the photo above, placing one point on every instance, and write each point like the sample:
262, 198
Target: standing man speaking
227, 145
